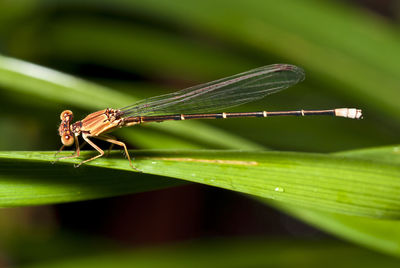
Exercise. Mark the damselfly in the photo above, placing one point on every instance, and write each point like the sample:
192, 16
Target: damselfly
192, 103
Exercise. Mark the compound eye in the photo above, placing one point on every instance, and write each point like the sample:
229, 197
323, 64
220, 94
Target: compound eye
67, 140
66, 114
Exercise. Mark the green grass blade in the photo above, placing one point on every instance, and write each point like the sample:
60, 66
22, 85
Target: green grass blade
230, 253
39, 183
387, 154
378, 234
323, 182
134, 48
37, 81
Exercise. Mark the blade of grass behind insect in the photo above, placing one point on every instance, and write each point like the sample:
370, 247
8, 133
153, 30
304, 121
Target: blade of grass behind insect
137, 49
37, 81
231, 253
11, 12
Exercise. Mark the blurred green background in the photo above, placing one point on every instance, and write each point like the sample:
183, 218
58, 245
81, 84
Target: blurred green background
350, 51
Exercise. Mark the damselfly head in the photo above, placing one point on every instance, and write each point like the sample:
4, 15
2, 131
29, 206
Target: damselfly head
64, 130
66, 115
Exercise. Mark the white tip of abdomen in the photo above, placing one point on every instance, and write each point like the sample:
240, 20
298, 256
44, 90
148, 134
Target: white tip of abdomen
352, 113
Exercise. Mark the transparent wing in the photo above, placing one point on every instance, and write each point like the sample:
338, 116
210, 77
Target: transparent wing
220, 94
